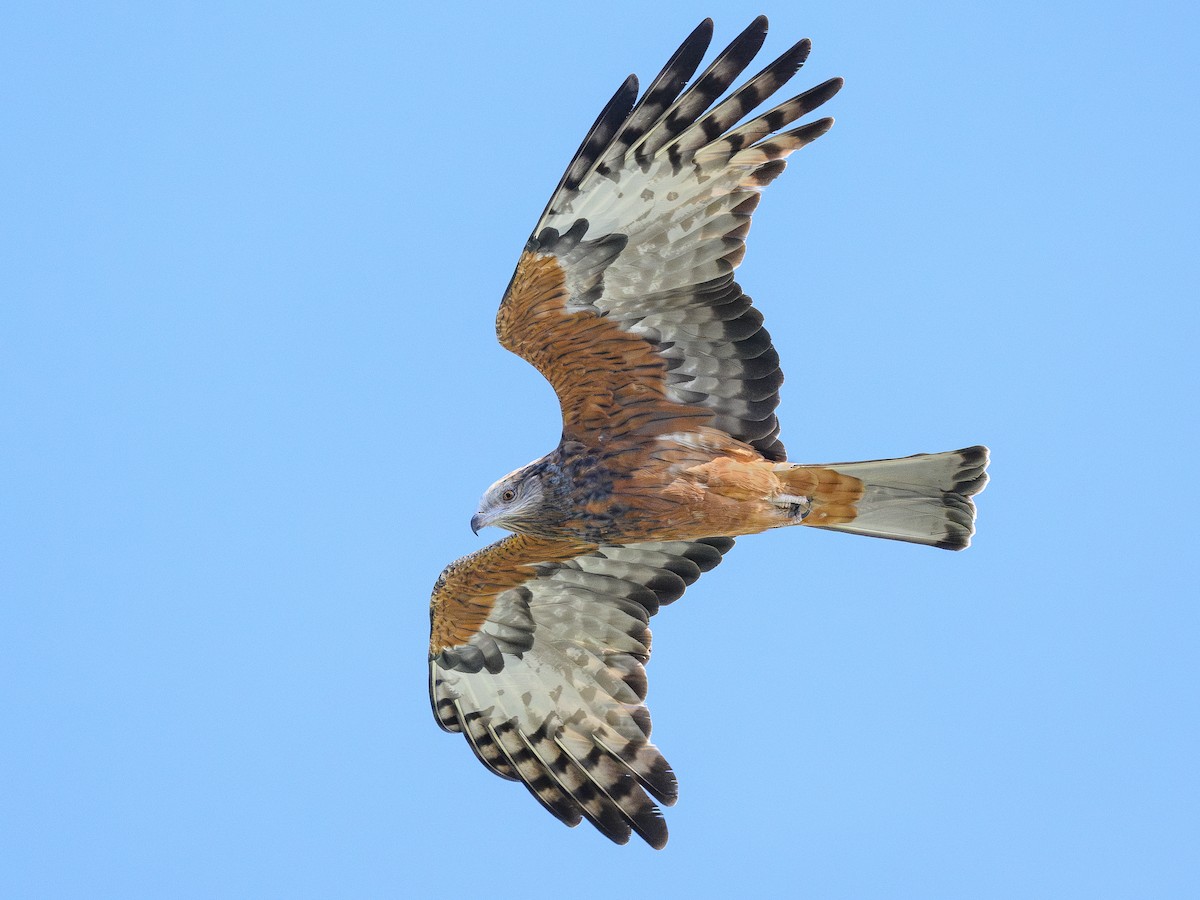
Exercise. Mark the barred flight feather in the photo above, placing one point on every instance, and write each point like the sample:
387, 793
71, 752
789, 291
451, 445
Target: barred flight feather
625, 300
658, 97
711, 84
566, 715
664, 191
730, 111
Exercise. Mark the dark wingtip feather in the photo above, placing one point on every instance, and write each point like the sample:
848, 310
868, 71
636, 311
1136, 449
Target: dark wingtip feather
653, 830
598, 136
826, 90
815, 130
751, 38
711, 84
798, 137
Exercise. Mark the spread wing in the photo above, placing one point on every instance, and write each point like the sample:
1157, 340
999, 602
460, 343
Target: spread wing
536, 657
624, 297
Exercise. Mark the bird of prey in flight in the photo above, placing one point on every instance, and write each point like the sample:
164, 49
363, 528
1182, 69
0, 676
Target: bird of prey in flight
624, 298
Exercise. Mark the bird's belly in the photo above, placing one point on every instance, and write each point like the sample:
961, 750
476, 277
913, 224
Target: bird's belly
719, 497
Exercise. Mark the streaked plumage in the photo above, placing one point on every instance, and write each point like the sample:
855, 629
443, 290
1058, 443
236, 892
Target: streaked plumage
624, 299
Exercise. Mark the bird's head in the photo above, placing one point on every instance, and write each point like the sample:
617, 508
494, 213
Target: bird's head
515, 502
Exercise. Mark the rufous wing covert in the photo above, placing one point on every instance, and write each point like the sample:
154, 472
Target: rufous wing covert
624, 299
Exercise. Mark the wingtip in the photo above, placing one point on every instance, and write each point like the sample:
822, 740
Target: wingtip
795, 56
821, 126
752, 35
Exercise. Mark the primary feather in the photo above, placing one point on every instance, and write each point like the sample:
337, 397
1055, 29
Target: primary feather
625, 299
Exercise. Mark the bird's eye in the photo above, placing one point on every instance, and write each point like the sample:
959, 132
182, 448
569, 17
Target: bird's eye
509, 496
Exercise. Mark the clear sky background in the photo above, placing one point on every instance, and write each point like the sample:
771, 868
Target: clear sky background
250, 393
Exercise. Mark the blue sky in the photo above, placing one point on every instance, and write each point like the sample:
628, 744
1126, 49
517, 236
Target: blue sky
250, 393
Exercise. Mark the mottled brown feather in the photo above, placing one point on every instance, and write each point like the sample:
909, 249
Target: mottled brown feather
611, 384
464, 595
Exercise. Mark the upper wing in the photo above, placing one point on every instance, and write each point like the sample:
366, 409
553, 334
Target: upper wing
624, 297
536, 657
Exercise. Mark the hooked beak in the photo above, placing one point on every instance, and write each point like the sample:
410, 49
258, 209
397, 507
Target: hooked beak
477, 522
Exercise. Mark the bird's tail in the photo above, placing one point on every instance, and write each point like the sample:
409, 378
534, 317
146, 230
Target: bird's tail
925, 499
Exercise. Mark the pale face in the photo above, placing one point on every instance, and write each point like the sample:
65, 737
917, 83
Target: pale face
511, 502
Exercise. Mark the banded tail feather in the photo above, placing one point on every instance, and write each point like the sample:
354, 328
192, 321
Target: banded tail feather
625, 300
922, 499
